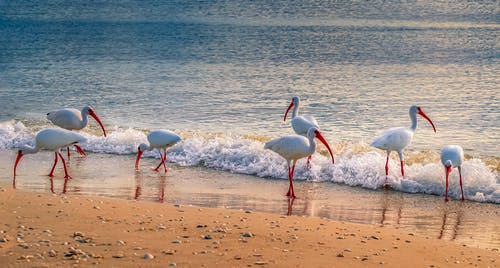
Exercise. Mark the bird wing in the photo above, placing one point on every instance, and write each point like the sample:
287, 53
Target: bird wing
289, 147
311, 119
454, 153
393, 139
162, 138
301, 124
67, 118
55, 138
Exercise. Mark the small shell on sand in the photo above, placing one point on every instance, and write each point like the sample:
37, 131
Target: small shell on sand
52, 253
118, 256
247, 234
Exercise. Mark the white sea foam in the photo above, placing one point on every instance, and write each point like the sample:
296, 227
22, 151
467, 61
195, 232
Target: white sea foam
14, 134
247, 156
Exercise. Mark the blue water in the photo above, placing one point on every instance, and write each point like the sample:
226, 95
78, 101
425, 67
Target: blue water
223, 72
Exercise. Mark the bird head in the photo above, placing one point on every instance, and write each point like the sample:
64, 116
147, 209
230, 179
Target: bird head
448, 165
140, 150
320, 137
295, 101
94, 115
25, 149
417, 110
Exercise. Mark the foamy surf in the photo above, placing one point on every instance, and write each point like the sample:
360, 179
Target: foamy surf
355, 164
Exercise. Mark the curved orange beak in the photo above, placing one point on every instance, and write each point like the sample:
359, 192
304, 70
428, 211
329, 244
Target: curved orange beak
322, 139
139, 153
287, 110
92, 113
420, 112
18, 158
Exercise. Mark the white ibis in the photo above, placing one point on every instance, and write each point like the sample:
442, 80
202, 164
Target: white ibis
161, 139
452, 156
396, 139
300, 124
51, 139
295, 147
73, 119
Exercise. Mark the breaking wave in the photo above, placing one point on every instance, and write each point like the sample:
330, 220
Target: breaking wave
355, 164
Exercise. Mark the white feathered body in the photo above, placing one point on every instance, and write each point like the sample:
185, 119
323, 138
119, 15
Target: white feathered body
301, 124
292, 147
54, 139
393, 139
454, 153
162, 139
68, 118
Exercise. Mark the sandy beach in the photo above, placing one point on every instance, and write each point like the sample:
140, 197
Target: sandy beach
50, 230
216, 82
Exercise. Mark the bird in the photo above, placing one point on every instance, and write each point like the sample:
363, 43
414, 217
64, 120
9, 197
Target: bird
161, 139
300, 124
51, 139
73, 119
295, 147
452, 156
397, 139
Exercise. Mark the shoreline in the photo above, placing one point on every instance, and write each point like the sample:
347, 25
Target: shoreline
421, 214
89, 231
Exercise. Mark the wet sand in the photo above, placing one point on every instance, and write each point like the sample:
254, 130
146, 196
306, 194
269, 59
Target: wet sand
50, 230
423, 215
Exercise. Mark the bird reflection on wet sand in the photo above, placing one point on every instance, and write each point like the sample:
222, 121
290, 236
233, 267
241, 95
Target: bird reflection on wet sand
139, 178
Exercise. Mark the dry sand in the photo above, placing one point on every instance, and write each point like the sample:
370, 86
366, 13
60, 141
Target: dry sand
43, 230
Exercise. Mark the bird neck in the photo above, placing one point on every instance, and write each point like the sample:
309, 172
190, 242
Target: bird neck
295, 111
312, 145
145, 147
85, 115
413, 117
30, 150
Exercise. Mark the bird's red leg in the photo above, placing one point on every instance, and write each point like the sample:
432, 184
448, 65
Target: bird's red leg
446, 195
402, 168
157, 167
68, 152
290, 179
292, 195
66, 175
461, 188
165, 160
386, 185
80, 150
387, 167
309, 158
161, 157
51, 174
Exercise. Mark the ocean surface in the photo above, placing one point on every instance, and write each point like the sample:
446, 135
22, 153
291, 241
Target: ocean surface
222, 73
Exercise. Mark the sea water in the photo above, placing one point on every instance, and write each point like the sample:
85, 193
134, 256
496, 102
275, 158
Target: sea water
222, 73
